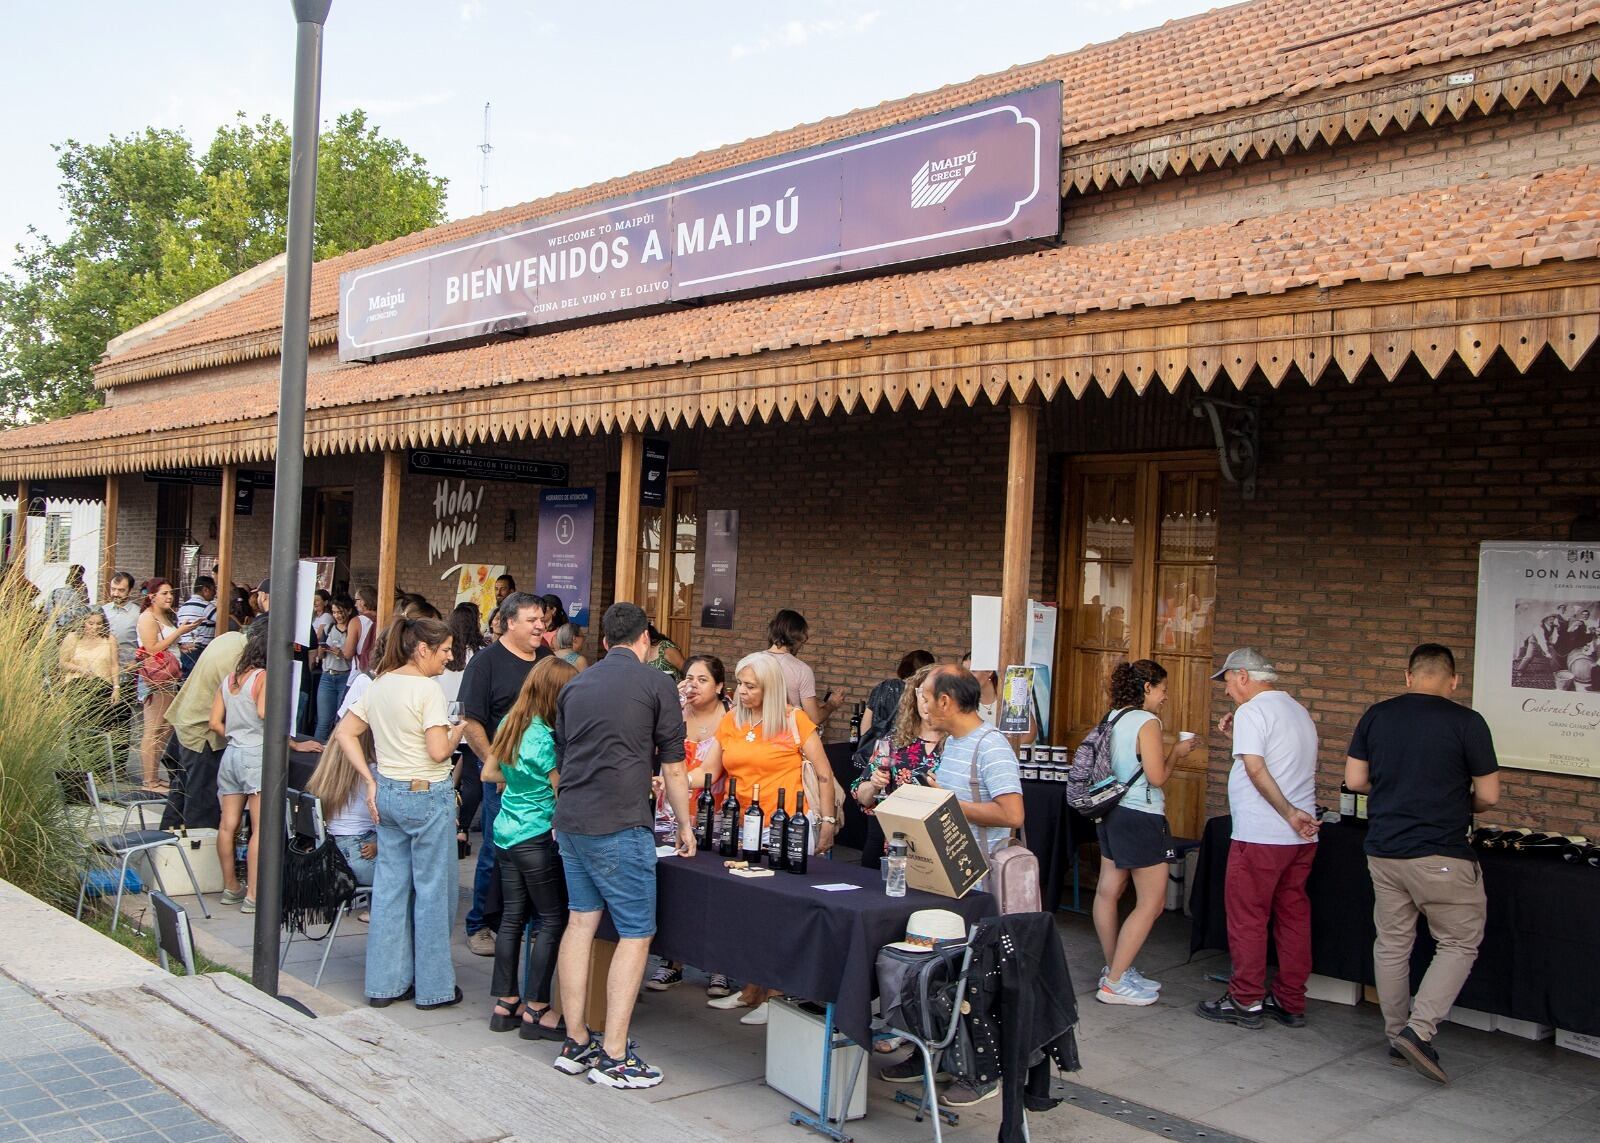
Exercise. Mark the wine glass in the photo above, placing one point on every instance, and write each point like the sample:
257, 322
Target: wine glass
454, 712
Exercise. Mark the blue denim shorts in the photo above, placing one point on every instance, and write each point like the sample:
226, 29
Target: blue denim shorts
615, 872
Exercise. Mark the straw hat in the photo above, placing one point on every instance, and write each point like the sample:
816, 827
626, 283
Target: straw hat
929, 928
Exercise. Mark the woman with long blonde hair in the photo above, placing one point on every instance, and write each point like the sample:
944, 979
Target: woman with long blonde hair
531, 876
338, 786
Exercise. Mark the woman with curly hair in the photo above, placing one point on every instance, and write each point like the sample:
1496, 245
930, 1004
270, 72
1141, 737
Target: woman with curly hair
1134, 842
903, 757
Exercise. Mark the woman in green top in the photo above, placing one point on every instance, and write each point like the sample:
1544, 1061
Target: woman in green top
531, 877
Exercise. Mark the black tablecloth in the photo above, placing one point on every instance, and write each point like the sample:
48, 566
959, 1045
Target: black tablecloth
1054, 834
853, 830
783, 932
1541, 940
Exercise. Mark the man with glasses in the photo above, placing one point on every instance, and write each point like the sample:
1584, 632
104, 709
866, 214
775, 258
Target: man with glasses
1272, 793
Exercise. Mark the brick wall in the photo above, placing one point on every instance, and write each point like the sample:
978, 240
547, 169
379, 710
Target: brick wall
1363, 540
136, 527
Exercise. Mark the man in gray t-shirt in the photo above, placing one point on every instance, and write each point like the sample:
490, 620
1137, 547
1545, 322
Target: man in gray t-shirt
122, 618
949, 698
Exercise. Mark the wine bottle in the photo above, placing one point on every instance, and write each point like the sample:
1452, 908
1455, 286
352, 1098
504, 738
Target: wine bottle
1482, 836
855, 724
728, 821
777, 851
1347, 801
1508, 838
750, 839
797, 836
705, 817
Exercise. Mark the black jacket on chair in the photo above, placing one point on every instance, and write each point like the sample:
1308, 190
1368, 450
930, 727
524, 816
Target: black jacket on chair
1021, 1013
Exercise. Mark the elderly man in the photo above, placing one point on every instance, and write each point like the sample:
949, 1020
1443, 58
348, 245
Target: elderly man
1272, 792
1427, 765
201, 608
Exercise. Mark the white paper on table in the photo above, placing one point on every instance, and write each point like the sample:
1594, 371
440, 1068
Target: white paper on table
305, 586
836, 887
666, 850
294, 695
986, 633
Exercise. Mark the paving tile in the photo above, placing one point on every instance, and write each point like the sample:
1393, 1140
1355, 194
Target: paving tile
1302, 1110
189, 1132
124, 1128
31, 1108
1414, 1126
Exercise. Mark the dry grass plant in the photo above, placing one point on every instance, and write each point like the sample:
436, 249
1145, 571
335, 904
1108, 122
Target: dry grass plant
43, 721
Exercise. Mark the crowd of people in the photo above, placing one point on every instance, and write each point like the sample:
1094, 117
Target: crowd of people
577, 769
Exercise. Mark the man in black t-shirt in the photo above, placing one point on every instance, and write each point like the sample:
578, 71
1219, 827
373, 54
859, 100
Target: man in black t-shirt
1426, 764
489, 686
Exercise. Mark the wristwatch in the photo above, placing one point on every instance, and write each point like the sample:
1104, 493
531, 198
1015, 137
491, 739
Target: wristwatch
829, 821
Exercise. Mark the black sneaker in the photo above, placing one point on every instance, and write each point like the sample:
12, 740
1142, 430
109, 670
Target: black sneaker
1271, 1007
1227, 1010
965, 1094
385, 1001
909, 1070
1420, 1055
576, 1059
628, 1072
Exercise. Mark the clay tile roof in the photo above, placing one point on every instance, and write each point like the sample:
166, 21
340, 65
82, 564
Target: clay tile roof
1222, 60
1554, 216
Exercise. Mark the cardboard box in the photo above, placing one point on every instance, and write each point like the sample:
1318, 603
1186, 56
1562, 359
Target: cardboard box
1332, 990
1527, 1029
1578, 1042
943, 856
1471, 1018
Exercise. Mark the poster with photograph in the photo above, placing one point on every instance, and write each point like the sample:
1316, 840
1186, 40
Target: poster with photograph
1534, 672
1016, 701
474, 583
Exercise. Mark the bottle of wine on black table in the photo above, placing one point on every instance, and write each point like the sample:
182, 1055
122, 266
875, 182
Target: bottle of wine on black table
728, 821
776, 842
797, 836
750, 838
705, 818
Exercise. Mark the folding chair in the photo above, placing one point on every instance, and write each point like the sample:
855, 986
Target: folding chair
932, 1050
124, 845
304, 821
173, 935
131, 801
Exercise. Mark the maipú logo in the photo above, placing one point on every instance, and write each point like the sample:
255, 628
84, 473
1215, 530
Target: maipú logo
938, 179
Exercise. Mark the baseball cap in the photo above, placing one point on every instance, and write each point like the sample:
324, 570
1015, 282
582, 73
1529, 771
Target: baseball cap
1244, 659
266, 585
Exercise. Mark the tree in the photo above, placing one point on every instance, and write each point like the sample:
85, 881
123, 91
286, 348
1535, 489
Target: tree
151, 224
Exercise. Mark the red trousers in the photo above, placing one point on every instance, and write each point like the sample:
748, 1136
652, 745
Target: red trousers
1268, 882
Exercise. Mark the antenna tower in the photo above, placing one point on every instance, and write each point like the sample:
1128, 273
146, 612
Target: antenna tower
485, 148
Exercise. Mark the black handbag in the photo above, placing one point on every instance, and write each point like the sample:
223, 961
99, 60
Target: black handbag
317, 883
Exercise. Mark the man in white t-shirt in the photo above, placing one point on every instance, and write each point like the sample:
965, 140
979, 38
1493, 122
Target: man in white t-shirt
1272, 792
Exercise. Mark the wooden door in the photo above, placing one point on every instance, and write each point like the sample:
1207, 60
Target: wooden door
666, 560
1139, 582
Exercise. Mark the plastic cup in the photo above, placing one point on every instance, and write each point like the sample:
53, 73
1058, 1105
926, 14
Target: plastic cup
1185, 735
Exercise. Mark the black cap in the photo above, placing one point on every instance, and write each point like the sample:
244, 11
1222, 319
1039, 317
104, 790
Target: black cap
266, 586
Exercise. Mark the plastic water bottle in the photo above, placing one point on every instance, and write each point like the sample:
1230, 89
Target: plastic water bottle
895, 867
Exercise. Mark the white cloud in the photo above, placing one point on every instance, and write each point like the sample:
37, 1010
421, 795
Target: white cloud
471, 10
800, 33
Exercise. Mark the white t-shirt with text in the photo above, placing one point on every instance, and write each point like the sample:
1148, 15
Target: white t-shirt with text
1280, 730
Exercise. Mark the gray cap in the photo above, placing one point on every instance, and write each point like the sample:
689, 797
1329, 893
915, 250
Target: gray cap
1244, 659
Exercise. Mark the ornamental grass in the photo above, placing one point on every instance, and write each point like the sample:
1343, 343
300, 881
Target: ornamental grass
43, 846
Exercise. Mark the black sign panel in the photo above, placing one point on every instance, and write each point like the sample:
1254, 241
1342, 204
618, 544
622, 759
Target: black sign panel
505, 468
653, 476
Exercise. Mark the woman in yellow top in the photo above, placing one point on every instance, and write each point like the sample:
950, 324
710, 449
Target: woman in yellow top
89, 655
763, 740
413, 801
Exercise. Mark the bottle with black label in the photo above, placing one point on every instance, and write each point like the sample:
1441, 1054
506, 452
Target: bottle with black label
855, 724
728, 821
777, 852
705, 818
750, 838
1347, 801
797, 836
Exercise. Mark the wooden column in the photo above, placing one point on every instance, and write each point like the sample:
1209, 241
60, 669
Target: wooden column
230, 486
627, 588
388, 537
19, 532
1017, 557
108, 534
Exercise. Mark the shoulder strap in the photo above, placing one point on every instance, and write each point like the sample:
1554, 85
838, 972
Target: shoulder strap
977, 792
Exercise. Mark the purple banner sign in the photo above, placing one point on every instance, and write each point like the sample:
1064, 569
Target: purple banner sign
720, 590
984, 175
566, 549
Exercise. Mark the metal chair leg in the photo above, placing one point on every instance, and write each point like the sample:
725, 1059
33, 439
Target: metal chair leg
122, 879
83, 893
333, 935
194, 882
283, 959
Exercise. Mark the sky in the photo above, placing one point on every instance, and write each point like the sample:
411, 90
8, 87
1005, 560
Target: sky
578, 92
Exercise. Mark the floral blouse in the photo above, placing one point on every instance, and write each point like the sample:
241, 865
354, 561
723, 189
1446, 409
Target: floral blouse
906, 764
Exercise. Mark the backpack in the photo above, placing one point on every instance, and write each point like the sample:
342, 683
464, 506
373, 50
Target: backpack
1092, 786
1013, 868
916, 990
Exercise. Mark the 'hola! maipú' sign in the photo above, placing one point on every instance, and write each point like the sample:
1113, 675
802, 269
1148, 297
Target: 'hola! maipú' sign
984, 175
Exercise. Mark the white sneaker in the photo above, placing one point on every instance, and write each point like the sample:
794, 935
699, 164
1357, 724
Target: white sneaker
756, 1015
1124, 991
1134, 975
727, 1003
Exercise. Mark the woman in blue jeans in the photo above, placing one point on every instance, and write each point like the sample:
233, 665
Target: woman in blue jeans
411, 798
336, 784
531, 876
335, 664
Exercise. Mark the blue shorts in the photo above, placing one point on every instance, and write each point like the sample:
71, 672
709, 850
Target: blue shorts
615, 872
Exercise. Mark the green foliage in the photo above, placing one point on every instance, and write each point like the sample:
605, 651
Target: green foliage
151, 224
42, 850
